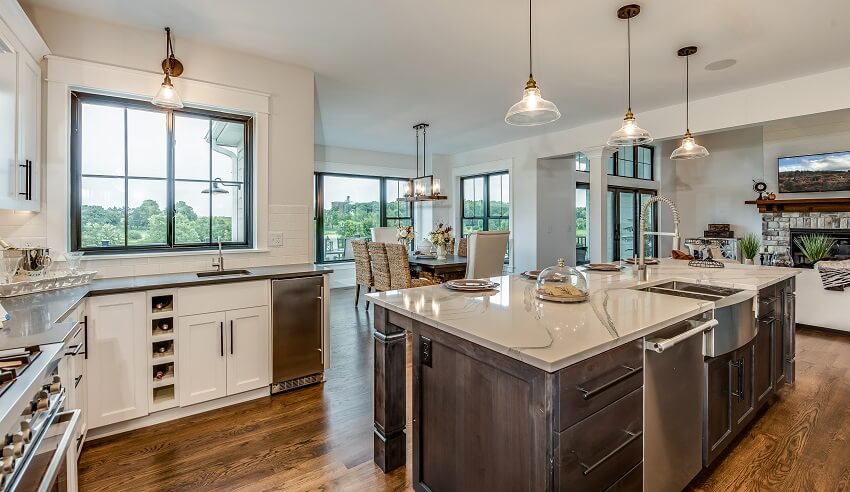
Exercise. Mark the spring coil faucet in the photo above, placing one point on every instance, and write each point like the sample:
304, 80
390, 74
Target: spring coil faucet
642, 273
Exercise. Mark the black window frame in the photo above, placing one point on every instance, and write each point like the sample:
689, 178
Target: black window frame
318, 187
485, 219
612, 165
615, 253
77, 99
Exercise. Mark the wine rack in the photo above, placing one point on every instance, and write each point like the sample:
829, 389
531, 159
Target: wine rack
163, 349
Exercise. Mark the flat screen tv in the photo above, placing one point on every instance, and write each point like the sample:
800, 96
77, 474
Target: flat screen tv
814, 173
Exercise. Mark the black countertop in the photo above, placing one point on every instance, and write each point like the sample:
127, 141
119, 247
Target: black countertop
39, 319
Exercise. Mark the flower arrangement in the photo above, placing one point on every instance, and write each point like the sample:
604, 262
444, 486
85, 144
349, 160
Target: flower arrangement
441, 236
405, 233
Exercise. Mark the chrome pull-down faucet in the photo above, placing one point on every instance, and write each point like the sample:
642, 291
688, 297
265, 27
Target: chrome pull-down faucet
642, 274
219, 265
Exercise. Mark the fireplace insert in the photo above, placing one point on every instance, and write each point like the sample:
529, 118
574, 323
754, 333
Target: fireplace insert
841, 251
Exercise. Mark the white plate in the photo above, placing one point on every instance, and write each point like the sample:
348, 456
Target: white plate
531, 274
471, 284
603, 267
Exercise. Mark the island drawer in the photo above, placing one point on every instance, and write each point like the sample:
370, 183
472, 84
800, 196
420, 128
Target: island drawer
605, 447
768, 301
588, 386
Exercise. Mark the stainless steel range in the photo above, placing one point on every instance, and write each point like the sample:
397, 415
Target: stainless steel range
37, 432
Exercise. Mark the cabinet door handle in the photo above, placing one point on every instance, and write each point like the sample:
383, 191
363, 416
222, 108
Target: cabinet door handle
231, 337
590, 393
739, 379
75, 349
77, 380
221, 337
86, 336
29, 180
632, 437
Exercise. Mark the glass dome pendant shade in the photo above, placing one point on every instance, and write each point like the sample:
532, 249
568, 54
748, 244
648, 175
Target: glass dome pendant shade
629, 134
532, 109
689, 149
167, 96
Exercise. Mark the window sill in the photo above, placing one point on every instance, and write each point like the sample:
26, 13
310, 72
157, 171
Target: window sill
167, 254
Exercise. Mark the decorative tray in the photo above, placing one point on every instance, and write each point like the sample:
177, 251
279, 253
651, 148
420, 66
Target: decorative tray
49, 281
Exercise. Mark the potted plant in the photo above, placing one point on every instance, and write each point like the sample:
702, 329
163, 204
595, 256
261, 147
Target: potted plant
441, 237
405, 235
815, 247
750, 246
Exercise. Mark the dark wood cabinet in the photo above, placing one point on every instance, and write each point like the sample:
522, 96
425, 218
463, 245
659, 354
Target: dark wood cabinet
764, 362
743, 400
718, 424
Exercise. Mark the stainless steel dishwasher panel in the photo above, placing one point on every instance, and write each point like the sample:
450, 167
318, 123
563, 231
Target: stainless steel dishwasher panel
297, 329
673, 392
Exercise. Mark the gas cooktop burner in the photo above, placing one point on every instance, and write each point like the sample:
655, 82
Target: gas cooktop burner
12, 366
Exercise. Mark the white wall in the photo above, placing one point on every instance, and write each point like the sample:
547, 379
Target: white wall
286, 190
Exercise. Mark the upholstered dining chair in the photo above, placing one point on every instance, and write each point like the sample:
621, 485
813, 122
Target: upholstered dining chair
384, 234
462, 248
400, 277
380, 266
486, 254
362, 269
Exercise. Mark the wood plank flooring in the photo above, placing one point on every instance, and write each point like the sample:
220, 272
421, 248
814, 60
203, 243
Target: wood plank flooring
320, 438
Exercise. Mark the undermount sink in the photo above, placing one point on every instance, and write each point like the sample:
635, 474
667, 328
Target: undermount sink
222, 273
710, 290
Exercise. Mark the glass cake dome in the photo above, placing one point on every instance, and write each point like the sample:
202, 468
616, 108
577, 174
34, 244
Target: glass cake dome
561, 283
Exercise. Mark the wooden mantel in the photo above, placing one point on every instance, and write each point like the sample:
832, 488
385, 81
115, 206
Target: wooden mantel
803, 205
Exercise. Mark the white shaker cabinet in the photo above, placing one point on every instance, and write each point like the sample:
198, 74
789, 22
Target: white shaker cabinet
202, 359
116, 367
248, 362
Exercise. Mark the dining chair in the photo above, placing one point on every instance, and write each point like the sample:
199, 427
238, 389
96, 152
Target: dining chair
400, 277
380, 266
362, 269
462, 247
384, 234
486, 254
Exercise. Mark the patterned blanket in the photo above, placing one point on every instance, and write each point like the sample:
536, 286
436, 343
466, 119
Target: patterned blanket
835, 275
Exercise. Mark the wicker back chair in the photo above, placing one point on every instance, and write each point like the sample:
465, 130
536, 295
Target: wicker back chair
400, 277
462, 247
380, 266
362, 268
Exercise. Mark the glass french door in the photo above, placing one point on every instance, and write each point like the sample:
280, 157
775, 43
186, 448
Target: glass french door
624, 206
582, 213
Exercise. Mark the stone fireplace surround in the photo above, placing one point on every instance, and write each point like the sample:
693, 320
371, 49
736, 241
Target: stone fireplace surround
776, 226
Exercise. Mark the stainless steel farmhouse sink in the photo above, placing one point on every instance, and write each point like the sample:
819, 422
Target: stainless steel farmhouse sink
222, 273
734, 310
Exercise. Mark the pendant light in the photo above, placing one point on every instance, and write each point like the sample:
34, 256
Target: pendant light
167, 96
422, 188
689, 148
532, 109
630, 133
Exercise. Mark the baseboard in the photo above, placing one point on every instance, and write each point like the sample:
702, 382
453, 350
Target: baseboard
174, 413
831, 331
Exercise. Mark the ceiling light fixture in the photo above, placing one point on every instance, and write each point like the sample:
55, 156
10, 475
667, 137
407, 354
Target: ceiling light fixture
630, 133
167, 96
532, 109
689, 148
424, 188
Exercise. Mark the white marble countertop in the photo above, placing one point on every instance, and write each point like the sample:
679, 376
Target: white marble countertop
551, 336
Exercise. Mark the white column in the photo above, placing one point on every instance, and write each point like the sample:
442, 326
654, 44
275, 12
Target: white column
597, 222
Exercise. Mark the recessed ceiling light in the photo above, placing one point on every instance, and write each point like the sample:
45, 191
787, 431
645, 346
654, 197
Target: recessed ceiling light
721, 64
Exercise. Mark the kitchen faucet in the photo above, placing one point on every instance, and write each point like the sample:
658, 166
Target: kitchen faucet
642, 273
219, 265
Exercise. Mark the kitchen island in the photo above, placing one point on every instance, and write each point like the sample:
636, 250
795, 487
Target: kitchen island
512, 393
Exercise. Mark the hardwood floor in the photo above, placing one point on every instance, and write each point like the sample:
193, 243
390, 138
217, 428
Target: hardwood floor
320, 437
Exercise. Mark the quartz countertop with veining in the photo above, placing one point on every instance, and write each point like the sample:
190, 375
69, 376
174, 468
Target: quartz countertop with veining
551, 336
42, 318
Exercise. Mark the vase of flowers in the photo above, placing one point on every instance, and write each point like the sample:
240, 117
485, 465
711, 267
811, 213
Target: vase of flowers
441, 237
405, 235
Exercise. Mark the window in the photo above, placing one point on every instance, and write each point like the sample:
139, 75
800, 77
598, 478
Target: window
582, 162
486, 203
582, 209
631, 162
146, 178
624, 206
349, 206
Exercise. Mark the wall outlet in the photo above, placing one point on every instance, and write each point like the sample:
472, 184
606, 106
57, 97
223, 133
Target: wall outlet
276, 239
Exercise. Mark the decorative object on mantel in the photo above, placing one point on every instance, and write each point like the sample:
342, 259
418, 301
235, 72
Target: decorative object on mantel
770, 196
441, 237
834, 275
750, 246
561, 283
424, 188
759, 187
802, 205
630, 134
689, 148
50, 281
167, 96
532, 109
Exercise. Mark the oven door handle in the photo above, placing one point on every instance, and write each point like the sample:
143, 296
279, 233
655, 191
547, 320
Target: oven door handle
59, 456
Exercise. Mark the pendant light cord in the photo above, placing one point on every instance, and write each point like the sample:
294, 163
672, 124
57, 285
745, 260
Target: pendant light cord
530, 59
687, 93
424, 146
629, 57
417, 152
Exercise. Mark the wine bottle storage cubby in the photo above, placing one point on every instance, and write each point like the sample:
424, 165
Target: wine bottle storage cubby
162, 327
163, 315
163, 373
163, 349
162, 304
164, 395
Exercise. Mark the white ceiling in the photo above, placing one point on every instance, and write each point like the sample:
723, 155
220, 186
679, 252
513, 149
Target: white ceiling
383, 65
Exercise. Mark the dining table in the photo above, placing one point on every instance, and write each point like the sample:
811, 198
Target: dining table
452, 267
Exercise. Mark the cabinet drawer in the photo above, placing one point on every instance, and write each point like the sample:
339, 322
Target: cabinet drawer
590, 385
222, 297
630, 482
598, 451
768, 298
